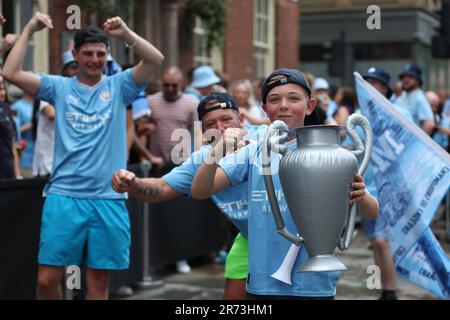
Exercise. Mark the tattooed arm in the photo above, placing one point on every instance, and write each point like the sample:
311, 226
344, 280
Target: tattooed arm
145, 189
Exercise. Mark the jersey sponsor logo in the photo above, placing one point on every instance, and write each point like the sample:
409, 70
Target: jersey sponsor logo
86, 121
262, 196
235, 209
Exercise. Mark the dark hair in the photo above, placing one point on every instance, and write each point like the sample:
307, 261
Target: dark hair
66, 66
126, 66
6, 91
190, 74
348, 97
224, 101
34, 120
90, 35
332, 91
224, 79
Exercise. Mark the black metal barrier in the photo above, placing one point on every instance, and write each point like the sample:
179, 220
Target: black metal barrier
20, 220
178, 229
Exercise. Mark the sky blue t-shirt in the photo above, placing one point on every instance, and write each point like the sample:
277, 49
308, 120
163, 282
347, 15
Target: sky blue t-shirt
417, 105
90, 133
267, 248
332, 107
232, 202
24, 111
446, 109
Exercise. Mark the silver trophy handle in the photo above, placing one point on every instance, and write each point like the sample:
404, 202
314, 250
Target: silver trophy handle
275, 137
366, 149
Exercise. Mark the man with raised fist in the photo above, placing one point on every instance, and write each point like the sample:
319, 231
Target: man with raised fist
84, 222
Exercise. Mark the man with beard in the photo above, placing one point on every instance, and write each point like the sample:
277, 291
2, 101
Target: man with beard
171, 109
413, 98
217, 112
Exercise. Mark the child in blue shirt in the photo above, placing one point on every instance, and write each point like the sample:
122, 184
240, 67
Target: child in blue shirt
286, 97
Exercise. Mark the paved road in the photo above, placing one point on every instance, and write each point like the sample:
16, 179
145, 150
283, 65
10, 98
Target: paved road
206, 281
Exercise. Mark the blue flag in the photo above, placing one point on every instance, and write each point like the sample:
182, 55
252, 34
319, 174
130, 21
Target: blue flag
412, 175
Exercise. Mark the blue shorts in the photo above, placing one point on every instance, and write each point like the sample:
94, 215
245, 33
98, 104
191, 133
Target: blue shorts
375, 228
90, 232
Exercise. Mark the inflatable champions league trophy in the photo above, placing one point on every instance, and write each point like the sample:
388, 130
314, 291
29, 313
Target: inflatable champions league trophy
316, 178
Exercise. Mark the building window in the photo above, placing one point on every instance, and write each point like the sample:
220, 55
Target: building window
361, 51
201, 54
263, 36
382, 51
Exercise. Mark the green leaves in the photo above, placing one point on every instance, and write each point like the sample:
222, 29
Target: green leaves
104, 7
213, 14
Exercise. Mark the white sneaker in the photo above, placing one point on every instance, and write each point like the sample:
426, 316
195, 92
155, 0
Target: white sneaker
183, 267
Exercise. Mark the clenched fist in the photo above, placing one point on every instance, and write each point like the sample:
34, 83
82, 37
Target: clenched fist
232, 139
39, 22
116, 27
122, 180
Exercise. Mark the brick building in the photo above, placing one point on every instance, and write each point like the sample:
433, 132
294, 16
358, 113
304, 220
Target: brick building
260, 35
405, 36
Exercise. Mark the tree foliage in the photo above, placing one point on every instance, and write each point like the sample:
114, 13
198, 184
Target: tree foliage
213, 14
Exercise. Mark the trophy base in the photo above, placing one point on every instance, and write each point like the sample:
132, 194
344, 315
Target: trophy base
322, 263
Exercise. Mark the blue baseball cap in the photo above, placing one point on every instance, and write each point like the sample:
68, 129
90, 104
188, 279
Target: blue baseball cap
204, 77
289, 76
413, 71
223, 100
381, 75
67, 59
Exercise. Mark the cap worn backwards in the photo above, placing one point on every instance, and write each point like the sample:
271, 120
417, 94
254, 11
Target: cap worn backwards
286, 76
217, 100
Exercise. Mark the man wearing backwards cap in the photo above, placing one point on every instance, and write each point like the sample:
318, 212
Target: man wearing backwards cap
286, 96
413, 98
84, 221
217, 111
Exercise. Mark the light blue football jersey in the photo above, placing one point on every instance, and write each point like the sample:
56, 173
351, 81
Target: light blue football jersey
232, 202
267, 248
90, 133
24, 110
417, 104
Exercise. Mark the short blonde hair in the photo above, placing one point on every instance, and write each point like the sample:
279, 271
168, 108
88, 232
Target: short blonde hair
248, 86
